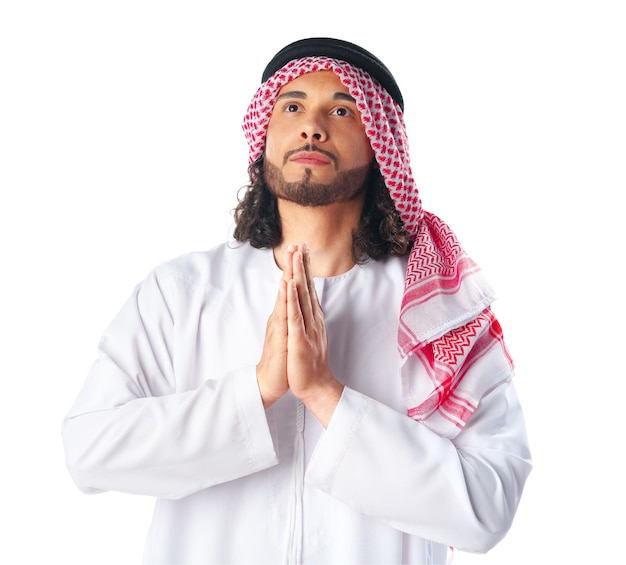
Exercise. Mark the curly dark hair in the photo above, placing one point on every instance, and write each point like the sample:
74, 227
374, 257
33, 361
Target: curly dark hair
380, 232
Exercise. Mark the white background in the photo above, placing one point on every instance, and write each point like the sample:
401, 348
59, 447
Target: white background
121, 147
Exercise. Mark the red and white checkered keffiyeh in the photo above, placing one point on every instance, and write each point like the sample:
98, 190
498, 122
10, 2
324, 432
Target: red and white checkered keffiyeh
446, 325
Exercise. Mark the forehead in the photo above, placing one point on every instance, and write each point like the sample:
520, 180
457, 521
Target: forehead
314, 81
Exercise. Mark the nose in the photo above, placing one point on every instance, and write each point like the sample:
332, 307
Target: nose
313, 129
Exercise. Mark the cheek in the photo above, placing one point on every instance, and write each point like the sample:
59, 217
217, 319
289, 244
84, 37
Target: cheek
272, 149
357, 148
365, 154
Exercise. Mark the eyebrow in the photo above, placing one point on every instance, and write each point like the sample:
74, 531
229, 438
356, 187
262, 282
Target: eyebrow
302, 95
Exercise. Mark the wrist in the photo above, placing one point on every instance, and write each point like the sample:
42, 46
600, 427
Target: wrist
323, 401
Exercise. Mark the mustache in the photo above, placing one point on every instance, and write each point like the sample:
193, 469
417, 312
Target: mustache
310, 147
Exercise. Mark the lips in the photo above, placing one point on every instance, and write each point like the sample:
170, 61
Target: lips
310, 158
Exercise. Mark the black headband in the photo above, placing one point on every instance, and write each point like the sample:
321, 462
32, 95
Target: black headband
341, 50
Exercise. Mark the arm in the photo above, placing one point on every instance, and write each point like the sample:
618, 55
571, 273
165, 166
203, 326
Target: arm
132, 430
462, 492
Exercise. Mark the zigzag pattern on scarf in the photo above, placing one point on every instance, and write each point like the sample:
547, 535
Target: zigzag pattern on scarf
448, 359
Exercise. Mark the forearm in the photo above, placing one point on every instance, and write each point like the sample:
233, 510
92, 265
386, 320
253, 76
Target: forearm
388, 466
172, 445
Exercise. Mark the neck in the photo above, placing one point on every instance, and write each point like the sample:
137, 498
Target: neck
327, 230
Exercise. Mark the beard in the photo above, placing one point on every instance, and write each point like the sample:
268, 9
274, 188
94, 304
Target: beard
346, 186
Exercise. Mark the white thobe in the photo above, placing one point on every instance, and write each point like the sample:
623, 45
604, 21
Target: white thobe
171, 409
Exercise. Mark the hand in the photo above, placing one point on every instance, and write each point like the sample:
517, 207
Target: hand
272, 368
308, 372
295, 352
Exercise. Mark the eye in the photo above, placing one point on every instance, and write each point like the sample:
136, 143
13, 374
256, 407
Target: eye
292, 107
343, 111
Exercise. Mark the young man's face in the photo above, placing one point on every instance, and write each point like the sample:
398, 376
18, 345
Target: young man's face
316, 150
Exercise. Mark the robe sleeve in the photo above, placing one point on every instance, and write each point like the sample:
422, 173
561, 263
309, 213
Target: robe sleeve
131, 430
462, 492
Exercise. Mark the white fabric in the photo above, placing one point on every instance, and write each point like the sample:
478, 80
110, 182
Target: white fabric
171, 409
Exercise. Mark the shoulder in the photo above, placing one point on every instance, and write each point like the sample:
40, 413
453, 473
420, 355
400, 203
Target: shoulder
211, 268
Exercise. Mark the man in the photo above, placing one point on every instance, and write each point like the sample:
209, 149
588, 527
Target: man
333, 386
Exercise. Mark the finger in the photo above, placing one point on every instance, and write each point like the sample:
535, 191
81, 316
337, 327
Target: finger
303, 286
315, 304
280, 308
306, 253
288, 263
295, 319
277, 321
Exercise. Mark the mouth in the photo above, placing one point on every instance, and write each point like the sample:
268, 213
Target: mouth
311, 156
